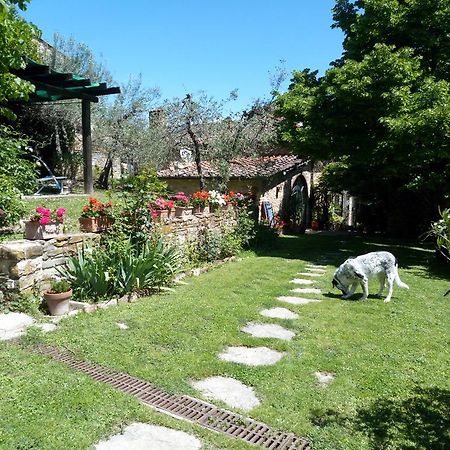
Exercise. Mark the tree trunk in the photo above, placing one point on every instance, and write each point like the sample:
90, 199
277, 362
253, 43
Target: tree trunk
103, 179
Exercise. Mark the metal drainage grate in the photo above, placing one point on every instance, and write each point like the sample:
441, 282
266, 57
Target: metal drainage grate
184, 407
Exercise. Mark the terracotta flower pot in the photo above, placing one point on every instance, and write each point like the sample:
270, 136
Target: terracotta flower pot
89, 224
162, 213
35, 230
183, 211
58, 304
200, 209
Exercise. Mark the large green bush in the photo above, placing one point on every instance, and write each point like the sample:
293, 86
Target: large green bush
12, 207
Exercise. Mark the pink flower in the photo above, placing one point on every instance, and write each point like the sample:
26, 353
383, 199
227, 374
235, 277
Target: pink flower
40, 209
60, 212
46, 212
45, 220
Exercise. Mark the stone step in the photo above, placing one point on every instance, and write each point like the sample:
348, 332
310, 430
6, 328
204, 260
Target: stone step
297, 300
251, 356
230, 391
301, 281
268, 330
279, 313
306, 291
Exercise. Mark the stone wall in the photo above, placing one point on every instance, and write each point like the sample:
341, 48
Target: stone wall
182, 230
25, 264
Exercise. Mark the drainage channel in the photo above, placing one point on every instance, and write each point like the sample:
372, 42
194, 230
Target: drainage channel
184, 407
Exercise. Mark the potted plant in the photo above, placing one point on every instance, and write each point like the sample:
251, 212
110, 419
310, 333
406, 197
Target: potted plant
160, 208
58, 297
216, 200
44, 223
200, 202
182, 207
95, 216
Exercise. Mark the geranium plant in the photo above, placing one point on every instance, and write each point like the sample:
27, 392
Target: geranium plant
181, 199
95, 208
200, 198
161, 203
216, 198
45, 216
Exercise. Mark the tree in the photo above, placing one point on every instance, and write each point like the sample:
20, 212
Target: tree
382, 113
17, 43
200, 124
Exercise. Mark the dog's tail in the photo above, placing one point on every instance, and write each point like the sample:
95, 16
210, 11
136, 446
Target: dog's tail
399, 282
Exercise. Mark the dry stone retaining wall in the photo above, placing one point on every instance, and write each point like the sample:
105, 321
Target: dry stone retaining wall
27, 265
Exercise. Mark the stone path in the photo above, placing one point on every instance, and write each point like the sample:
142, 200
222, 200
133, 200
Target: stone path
14, 325
142, 436
233, 392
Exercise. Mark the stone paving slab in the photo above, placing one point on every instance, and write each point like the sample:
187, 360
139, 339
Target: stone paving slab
46, 327
324, 378
306, 291
255, 356
316, 266
279, 313
310, 274
13, 325
230, 391
297, 300
122, 325
268, 330
301, 281
315, 270
143, 436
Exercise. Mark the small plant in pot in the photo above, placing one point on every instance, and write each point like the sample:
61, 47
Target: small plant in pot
58, 297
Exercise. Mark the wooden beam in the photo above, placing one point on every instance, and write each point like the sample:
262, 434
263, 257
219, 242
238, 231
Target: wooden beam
64, 93
87, 146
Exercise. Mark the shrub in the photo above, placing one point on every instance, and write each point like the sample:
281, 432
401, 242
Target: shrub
120, 268
12, 208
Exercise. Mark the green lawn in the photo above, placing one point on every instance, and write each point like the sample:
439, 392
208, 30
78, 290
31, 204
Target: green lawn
391, 360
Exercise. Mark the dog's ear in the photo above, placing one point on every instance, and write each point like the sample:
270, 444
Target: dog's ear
358, 274
334, 283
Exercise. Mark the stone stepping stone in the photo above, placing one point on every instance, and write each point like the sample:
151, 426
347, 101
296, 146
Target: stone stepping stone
268, 330
256, 356
298, 300
279, 313
301, 281
13, 325
306, 291
324, 378
316, 266
46, 327
232, 392
122, 325
310, 274
315, 270
140, 436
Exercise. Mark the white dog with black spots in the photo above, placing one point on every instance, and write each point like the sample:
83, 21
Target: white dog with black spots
359, 270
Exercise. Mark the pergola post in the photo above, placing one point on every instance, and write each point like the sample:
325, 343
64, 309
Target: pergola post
87, 146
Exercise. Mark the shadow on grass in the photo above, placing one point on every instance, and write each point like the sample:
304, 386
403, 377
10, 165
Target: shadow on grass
420, 421
412, 256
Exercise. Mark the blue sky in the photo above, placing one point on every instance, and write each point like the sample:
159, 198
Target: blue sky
185, 46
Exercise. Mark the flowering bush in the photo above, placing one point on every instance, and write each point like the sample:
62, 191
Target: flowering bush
46, 216
216, 198
95, 208
279, 223
161, 203
181, 199
200, 198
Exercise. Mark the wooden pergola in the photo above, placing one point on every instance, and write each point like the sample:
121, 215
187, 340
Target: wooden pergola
53, 86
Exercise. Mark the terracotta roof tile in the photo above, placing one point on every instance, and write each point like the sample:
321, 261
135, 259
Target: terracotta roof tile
245, 167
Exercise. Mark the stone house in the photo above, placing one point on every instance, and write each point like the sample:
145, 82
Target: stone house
283, 179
